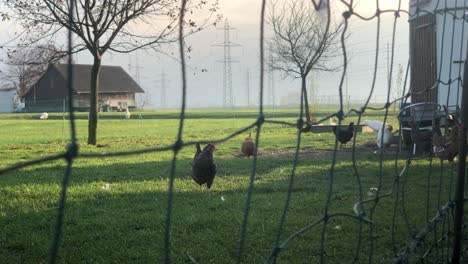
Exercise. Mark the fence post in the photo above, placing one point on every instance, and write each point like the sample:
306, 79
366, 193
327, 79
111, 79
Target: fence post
460, 185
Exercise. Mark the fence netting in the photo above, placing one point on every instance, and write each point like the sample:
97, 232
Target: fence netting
431, 242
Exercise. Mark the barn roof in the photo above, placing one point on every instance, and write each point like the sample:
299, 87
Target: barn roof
113, 79
6, 89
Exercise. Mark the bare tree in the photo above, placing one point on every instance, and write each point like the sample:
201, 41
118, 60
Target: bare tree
304, 40
100, 26
25, 65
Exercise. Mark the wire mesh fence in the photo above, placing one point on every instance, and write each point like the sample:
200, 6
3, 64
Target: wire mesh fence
431, 231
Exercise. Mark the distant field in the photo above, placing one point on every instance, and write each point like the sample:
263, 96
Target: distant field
125, 223
197, 113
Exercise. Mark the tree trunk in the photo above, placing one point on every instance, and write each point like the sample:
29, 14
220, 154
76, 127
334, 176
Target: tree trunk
93, 106
306, 100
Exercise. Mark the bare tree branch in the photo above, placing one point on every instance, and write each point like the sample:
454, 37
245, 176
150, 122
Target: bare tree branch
115, 25
27, 64
302, 41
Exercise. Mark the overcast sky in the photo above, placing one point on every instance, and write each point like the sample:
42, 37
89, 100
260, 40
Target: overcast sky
205, 88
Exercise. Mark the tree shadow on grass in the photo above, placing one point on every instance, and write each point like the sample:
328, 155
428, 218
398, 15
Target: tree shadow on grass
101, 221
125, 221
116, 170
109, 225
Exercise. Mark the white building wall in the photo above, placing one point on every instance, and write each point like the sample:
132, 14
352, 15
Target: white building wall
432, 5
7, 99
451, 53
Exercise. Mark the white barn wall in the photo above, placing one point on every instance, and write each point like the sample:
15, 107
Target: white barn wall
7, 99
446, 31
431, 5
456, 30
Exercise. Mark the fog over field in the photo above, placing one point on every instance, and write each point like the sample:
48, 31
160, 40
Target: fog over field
205, 71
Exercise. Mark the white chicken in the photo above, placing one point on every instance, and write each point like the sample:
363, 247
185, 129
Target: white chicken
127, 114
387, 132
44, 116
330, 122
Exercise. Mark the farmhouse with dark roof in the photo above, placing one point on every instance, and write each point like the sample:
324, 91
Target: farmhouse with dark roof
117, 89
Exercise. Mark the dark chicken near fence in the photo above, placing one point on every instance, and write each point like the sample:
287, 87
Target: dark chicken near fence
198, 150
248, 146
203, 166
344, 135
446, 147
420, 137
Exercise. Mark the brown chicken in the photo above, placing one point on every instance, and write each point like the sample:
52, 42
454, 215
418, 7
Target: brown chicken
344, 135
449, 150
248, 146
203, 166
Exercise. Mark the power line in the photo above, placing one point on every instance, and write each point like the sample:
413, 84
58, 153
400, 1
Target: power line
228, 98
248, 87
135, 67
271, 79
163, 81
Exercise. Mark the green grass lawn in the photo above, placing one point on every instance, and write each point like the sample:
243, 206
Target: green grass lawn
116, 207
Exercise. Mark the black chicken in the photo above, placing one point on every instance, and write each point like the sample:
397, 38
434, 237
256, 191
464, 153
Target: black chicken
344, 135
198, 150
420, 138
203, 166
